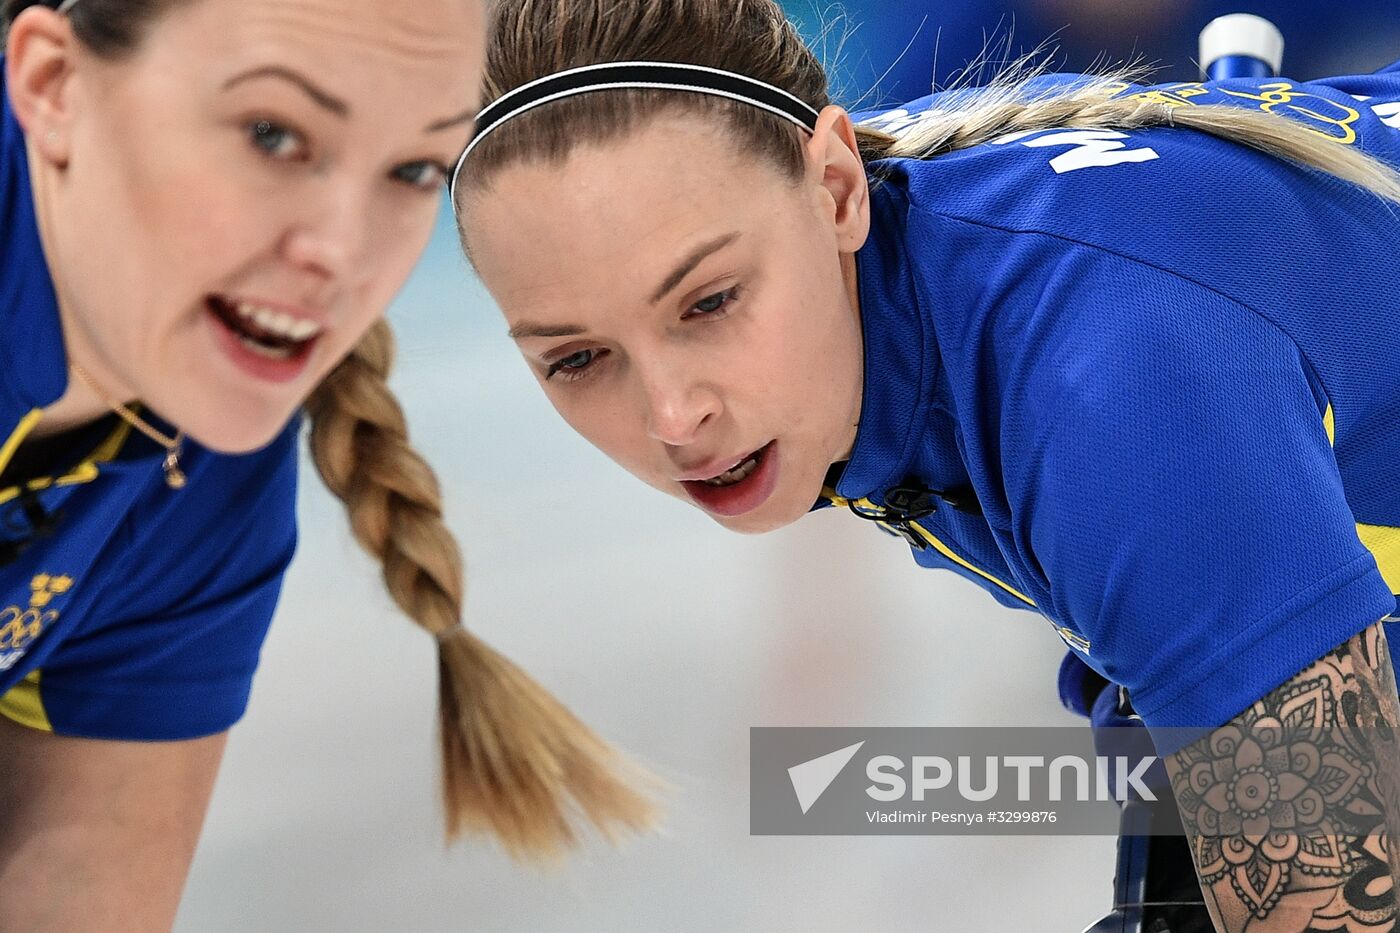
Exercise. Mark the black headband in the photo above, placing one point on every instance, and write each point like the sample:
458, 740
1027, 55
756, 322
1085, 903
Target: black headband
667, 76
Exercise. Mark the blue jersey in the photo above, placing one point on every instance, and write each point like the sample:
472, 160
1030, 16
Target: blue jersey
1156, 372
140, 613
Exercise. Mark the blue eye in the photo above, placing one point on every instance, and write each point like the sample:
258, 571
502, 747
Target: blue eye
275, 140
426, 174
574, 365
714, 304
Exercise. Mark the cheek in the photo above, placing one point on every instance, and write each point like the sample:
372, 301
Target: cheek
164, 186
398, 234
591, 417
811, 371
601, 416
807, 343
171, 237
837, 365
144, 274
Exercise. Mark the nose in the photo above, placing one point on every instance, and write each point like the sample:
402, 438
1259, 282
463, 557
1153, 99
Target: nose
328, 238
678, 407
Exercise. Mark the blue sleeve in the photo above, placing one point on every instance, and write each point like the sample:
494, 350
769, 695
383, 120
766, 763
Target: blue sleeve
1170, 475
183, 621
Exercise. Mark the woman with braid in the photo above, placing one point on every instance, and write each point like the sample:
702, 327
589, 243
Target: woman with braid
207, 207
1122, 355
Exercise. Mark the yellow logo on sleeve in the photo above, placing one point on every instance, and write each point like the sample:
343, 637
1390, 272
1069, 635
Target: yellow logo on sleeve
20, 627
1337, 119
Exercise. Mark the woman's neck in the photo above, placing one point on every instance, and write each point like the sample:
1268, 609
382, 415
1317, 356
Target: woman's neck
78, 406
850, 275
80, 403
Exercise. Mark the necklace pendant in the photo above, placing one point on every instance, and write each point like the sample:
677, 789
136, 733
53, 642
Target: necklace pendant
174, 476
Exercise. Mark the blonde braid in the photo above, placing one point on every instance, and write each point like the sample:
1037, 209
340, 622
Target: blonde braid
981, 115
515, 761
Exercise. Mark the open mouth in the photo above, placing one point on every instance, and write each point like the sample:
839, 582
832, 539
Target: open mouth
738, 474
266, 332
741, 488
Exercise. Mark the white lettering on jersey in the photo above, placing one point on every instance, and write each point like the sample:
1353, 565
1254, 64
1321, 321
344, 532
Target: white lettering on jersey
1092, 148
893, 122
1389, 113
901, 122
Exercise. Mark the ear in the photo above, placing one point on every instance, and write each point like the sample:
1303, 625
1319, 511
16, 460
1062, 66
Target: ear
833, 161
39, 59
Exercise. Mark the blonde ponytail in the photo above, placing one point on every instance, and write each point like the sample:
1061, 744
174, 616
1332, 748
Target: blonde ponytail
515, 762
980, 115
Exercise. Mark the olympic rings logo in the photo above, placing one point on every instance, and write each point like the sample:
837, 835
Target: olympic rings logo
19, 628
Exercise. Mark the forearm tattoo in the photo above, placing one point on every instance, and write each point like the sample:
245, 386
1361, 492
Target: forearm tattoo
1291, 808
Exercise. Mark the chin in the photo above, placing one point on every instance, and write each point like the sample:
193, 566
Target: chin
758, 522
235, 436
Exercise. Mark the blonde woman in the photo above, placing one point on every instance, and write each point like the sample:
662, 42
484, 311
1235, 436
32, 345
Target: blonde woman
207, 206
1123, 356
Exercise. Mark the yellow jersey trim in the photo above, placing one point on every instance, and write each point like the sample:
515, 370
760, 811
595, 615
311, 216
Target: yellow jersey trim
1382, 541
928, 536
948, 553
1072, 638
1384, 544
24, 705
17, 436
84, 472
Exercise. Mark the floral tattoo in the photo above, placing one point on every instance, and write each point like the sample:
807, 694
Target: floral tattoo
1291, 807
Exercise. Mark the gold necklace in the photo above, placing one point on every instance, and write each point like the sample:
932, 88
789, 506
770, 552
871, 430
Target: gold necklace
174, 476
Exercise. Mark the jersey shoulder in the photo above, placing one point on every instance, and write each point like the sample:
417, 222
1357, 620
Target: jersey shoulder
1182, 200
1043, 178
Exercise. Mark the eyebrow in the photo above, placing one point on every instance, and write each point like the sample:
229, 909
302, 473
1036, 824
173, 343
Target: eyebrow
466, 116
324, 99
687, 265
545, 330
328, 101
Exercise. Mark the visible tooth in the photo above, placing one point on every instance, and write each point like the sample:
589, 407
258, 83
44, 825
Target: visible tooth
275, 322
301, 330
279, 323
263, 318
740, 472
